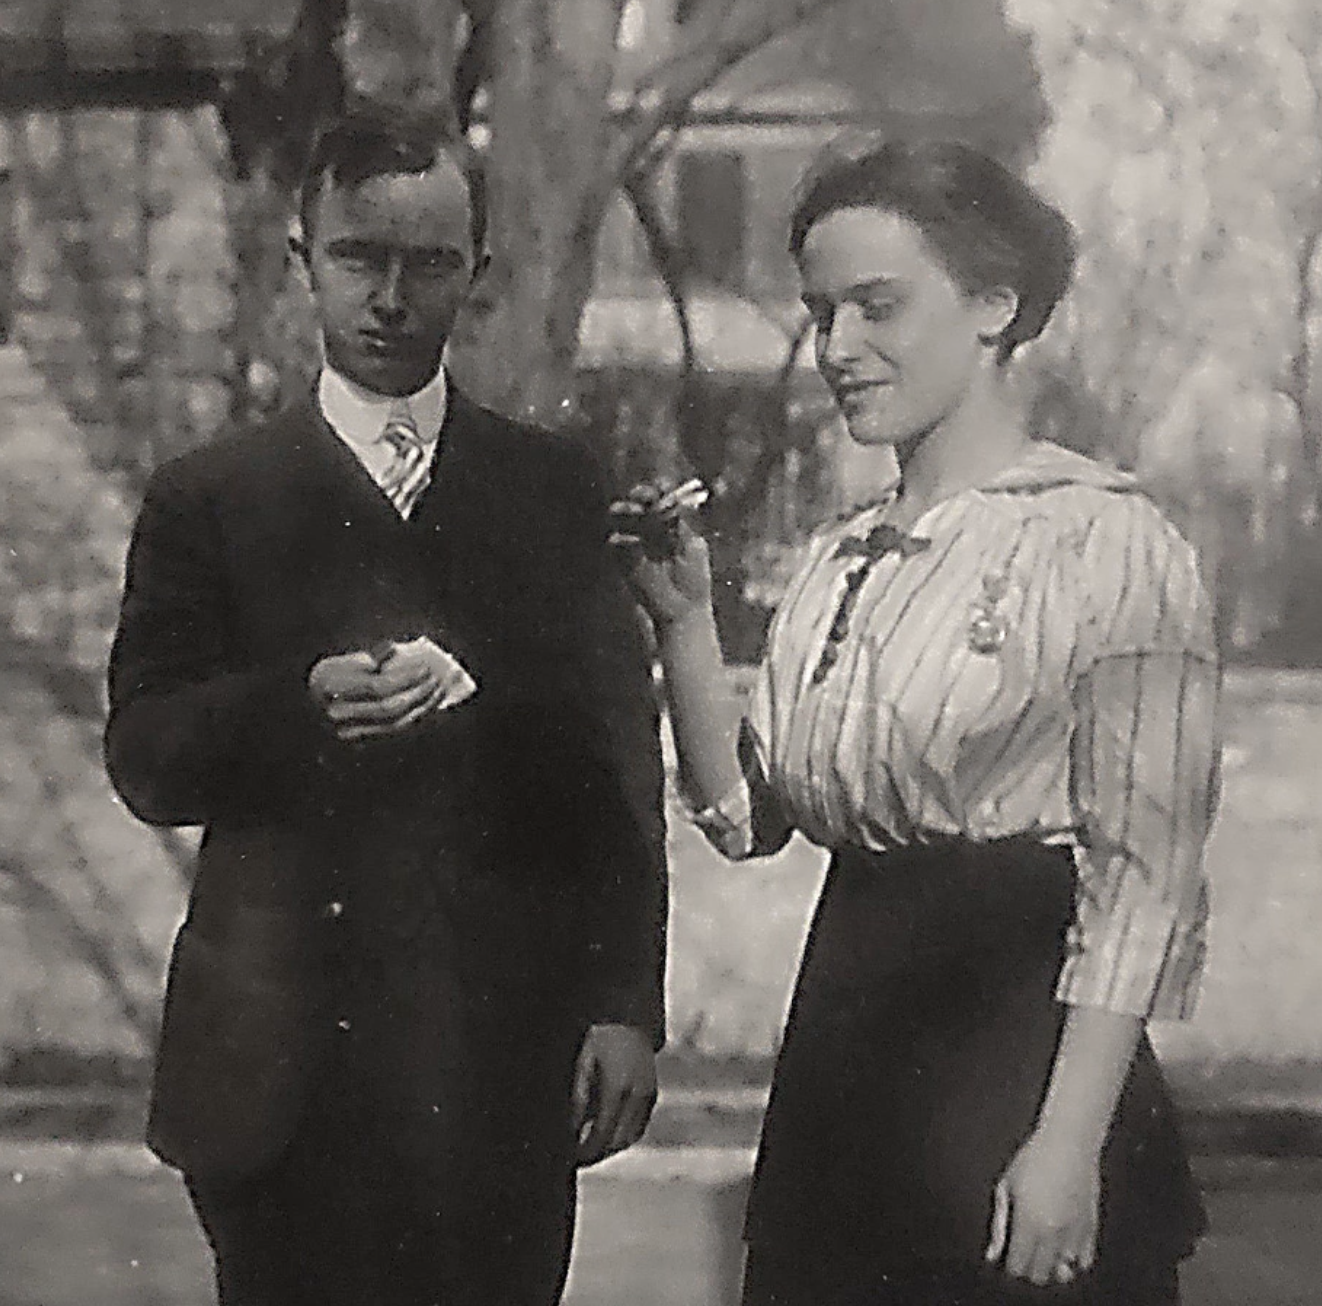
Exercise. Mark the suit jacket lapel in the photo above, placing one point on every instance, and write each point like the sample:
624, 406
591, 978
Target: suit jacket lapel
328, 466
325, 464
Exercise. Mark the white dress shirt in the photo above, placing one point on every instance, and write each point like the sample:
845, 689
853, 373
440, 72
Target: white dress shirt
359, 417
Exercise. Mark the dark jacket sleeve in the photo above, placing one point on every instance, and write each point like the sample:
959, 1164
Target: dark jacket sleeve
624, 834
194, 734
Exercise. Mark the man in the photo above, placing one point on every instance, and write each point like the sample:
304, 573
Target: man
375, 646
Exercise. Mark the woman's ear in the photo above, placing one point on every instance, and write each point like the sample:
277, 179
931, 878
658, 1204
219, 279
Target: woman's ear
1000, 307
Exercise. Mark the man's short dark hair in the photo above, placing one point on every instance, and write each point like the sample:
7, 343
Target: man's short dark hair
350, 150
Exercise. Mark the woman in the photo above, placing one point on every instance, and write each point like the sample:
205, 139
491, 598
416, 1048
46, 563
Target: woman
991, 695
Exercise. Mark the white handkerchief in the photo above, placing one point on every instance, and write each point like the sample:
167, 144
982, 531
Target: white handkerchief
450, 672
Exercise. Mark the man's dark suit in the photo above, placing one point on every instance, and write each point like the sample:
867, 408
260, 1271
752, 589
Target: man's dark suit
392, 948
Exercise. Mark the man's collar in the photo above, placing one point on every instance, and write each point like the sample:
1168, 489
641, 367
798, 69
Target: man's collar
359, 415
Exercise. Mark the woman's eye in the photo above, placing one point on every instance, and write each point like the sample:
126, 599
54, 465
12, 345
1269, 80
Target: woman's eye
880, 310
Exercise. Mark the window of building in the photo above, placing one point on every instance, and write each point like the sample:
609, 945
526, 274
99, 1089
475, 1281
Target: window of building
711, 201
632, 31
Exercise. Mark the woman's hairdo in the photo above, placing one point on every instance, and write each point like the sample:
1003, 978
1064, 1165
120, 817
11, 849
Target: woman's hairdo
988, 226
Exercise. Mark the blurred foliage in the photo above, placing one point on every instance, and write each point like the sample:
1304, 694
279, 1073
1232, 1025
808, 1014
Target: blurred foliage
954, 69
1186, 145
1184, 140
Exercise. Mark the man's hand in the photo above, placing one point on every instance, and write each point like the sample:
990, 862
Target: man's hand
614, 1091
363, 699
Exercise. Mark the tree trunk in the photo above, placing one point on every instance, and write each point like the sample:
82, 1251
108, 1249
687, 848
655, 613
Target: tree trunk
558, 150
547, 188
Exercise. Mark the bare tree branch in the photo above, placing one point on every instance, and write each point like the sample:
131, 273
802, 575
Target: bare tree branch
58, 190
89, 944
786, 373
667, 261
722, 35
473, 68
76, 696
270, 111
1299, 387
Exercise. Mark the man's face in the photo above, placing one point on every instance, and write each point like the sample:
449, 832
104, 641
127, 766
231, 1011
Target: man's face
390, 260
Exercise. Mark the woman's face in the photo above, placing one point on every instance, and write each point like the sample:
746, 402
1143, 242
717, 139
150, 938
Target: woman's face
899, 342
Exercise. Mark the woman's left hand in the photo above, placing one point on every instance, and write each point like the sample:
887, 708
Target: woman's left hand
1045, 1211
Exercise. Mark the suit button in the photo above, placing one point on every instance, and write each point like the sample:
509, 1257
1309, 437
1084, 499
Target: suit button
334, 910
344, 1025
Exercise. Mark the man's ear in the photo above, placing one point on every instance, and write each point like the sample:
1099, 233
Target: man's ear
296, 240
300, 255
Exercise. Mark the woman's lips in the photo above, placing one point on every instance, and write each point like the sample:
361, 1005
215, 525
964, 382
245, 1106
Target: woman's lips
852, 391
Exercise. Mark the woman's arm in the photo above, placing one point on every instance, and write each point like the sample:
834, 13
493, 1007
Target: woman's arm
1046, 1204
669, 568
1143, 764
1096, 1050
704, 716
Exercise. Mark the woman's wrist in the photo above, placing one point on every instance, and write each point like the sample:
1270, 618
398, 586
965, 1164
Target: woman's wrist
1079, 1135
1092, 1063
696, 621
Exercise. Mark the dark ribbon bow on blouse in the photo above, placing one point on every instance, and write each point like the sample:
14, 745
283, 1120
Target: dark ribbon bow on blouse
880, 541
872, 548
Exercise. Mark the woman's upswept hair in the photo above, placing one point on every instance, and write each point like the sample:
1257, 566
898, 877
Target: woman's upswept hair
988, 226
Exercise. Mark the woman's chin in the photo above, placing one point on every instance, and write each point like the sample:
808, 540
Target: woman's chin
870, 433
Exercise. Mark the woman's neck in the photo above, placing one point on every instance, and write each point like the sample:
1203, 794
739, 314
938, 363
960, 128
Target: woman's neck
968, 447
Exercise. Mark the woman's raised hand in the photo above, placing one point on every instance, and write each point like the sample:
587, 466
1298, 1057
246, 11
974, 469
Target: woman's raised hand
668, 563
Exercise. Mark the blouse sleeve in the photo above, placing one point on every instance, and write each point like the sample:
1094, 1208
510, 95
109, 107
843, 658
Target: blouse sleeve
1144, 769
749, 821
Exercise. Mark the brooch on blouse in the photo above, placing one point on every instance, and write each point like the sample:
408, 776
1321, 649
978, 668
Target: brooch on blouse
870, 550
988, 628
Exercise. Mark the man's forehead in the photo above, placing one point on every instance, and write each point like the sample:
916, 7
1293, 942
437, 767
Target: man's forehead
421, 206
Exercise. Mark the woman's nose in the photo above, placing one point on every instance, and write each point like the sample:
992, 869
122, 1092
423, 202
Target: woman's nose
841, 338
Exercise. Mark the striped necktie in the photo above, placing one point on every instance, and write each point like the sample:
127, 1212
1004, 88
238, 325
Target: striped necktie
410, 471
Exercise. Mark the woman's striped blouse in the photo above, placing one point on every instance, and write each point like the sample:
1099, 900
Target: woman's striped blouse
1045, 665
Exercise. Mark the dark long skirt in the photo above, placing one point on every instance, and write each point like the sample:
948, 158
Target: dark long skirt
918, 1048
